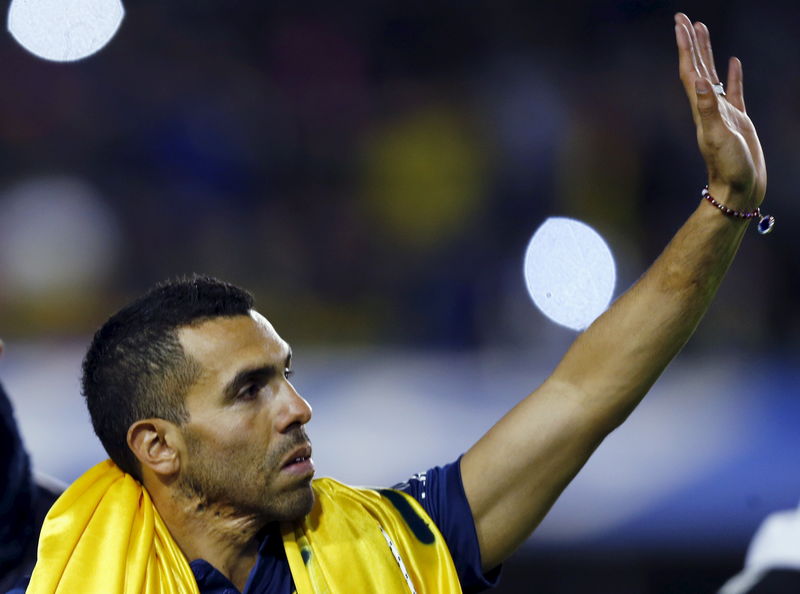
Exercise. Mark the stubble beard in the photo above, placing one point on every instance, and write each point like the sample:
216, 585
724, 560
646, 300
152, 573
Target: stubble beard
232, 482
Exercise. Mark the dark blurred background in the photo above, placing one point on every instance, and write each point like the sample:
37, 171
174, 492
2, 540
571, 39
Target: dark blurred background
373, 172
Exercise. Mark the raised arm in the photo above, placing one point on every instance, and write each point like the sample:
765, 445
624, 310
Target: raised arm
515, 472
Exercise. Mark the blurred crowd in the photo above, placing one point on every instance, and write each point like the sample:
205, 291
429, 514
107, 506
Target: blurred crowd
374, 170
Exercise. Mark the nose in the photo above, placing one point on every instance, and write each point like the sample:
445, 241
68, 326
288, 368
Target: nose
295, 411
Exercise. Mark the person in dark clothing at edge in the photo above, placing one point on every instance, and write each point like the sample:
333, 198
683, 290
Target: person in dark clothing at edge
209, 487
24, 500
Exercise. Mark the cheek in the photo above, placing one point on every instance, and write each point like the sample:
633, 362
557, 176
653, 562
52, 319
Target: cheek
232, 427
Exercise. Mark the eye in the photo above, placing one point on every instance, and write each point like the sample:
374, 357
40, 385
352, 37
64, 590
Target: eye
287, 373
249, 392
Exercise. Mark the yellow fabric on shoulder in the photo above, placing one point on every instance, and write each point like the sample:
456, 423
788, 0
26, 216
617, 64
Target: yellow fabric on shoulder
104, 535
365, 540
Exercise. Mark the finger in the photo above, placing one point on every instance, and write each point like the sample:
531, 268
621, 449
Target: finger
686, 53
710, 120
704, 48
735, 88
686, 67
688, 72
698, 60
698, 57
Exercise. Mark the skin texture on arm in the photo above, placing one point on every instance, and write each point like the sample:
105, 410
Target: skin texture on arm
514, 474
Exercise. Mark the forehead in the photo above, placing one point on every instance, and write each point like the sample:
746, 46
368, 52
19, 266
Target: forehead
225, 345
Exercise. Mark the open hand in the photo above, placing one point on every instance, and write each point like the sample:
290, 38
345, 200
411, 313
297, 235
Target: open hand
725, 134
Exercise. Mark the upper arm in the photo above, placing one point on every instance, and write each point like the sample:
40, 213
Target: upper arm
514, 474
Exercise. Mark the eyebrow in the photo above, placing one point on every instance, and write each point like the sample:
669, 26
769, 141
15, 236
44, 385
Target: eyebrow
260, 374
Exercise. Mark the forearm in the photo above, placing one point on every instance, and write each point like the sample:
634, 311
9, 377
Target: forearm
612, 365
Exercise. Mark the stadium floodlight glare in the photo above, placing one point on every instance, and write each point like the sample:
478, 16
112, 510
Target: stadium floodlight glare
570, 272
64, 30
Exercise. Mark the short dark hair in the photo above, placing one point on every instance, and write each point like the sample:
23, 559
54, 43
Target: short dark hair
136, 367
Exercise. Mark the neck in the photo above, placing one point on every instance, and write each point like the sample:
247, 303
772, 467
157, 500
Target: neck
216, 533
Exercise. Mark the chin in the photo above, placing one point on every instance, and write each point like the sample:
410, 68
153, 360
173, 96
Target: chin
296, 505
306, 503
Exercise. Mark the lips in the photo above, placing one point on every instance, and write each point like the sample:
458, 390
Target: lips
300, 456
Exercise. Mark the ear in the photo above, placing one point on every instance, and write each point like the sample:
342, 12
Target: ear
157, 445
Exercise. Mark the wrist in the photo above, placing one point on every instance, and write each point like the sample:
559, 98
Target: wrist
737, 197
765, 223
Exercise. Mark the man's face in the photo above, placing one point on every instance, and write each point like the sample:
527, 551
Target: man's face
246, 446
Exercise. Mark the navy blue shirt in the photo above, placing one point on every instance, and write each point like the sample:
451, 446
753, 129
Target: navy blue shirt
439, 490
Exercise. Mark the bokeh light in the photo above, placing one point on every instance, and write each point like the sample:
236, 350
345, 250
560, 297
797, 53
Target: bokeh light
56, 235
570, 272
64, 30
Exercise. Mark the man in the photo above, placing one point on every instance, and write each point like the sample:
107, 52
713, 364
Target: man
189, 392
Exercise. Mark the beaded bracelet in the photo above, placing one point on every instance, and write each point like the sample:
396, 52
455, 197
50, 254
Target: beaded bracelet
765, 222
